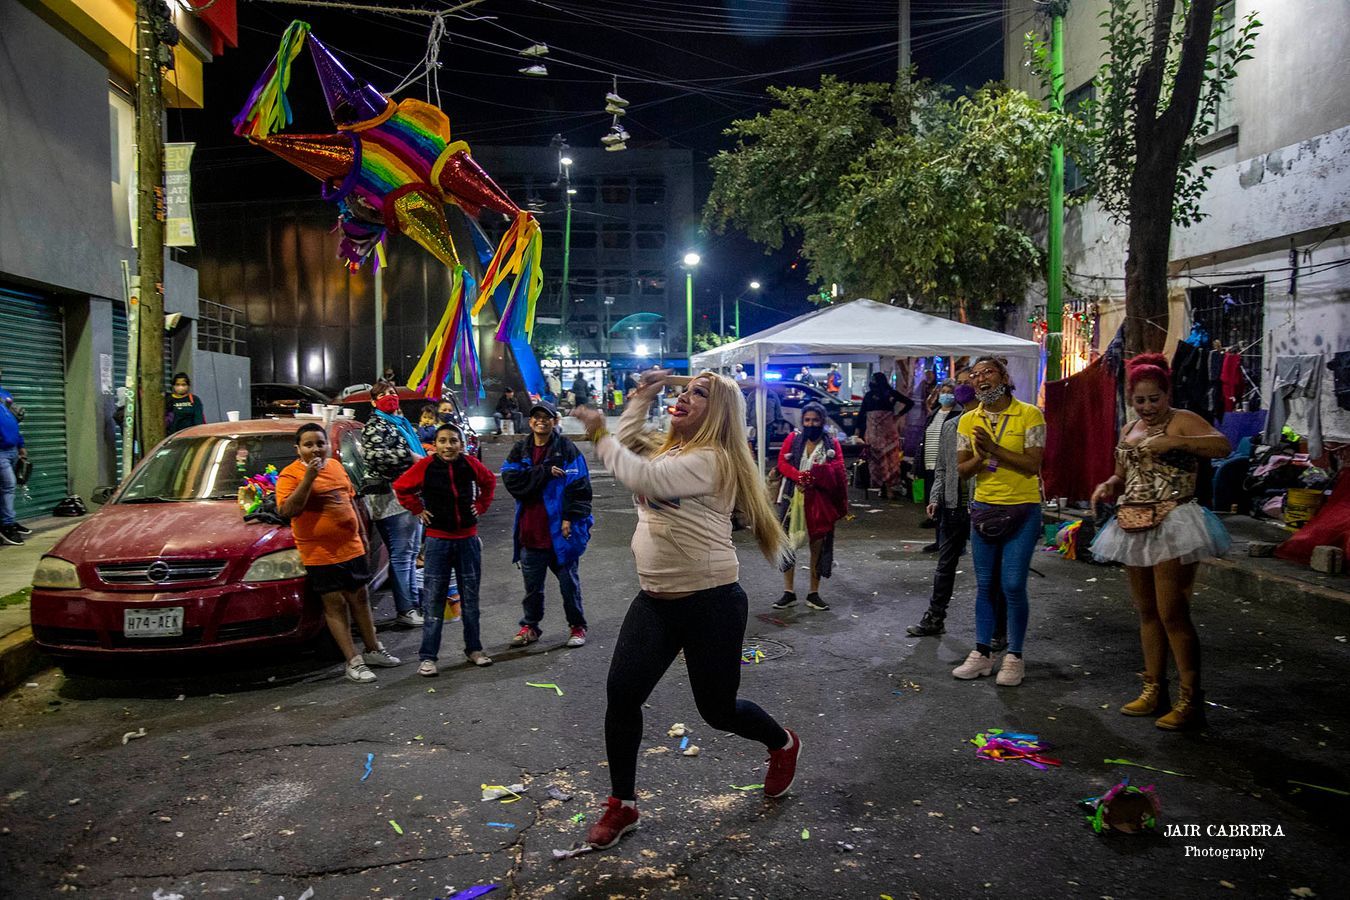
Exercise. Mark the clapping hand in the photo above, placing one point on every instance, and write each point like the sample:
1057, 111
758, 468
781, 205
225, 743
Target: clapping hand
985, 444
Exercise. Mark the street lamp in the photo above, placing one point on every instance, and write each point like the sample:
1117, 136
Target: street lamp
691, 261
754, 286
565, 178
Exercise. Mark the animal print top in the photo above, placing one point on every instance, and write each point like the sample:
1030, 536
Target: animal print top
1151, 477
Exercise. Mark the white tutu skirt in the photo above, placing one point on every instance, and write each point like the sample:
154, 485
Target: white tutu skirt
1189, 534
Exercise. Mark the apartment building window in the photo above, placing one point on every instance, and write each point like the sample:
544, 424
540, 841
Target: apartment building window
1225, 33
651, 237
585, 190
616, 282
652, 283
615, 191
1075, 175
615, 237
583, 237
650, 192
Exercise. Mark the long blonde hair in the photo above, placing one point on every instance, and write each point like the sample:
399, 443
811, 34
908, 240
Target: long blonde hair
723, 430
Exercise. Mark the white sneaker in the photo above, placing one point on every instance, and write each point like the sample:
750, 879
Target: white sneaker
535, 51
358, 671
427, 668
615, 110
536, 70
615, 100
479, 658
380, 657
975, 666
411, 618
577, 638
1013, 670
616, 147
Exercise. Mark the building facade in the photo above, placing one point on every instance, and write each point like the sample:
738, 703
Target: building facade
65, 232
1267, 271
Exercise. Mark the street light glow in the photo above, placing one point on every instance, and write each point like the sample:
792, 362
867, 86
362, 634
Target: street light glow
640, 349
692, 259
566, 160
754, 285
571, 190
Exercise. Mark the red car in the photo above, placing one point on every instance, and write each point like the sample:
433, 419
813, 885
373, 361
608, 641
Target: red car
169, 565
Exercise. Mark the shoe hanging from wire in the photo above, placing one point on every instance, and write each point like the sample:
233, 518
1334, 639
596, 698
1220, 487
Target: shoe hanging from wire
615, 105
538, 70
534, 51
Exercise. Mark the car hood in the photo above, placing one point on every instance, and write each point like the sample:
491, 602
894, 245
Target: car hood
200, 529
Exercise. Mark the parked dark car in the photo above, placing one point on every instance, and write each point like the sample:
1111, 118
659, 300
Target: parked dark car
284, 400
411, 402
791, 397
169, 566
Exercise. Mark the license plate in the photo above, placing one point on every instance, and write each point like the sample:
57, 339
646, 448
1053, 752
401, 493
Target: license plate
166, 620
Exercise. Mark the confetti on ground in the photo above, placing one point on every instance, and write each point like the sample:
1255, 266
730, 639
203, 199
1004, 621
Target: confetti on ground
578, 817
549, 685
1126, 762
684, 742
398, 829
370, 761
575, 850
132, 735
502, 792
806, 834
1318, 787
751, 656
506, 825
469, 894
746, 787
558, 794
999, 745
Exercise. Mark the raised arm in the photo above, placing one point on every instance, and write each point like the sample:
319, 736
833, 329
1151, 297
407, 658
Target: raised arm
668, 478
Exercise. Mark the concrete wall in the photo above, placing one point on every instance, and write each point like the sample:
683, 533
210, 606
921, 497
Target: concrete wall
222, 382
56, 217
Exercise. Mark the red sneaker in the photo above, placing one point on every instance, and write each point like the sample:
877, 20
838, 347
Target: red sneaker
617, 821
782, 767
526, 635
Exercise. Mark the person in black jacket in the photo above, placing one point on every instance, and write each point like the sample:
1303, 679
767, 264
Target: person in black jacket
548, 476
182, 408
509, 408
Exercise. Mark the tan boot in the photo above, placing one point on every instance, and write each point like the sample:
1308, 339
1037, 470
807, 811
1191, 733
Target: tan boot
1187, 712
1150, 700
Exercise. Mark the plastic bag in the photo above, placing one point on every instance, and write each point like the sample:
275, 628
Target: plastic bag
797, 536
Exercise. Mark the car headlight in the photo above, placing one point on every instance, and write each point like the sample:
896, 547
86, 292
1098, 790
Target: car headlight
56, 574
278, 566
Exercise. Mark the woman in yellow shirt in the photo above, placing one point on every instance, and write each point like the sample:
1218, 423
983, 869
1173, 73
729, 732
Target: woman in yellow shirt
1000, 443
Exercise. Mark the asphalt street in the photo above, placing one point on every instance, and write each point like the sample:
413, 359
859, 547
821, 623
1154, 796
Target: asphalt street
249, 781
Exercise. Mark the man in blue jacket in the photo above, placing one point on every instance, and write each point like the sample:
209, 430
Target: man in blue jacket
11, 451
547, 475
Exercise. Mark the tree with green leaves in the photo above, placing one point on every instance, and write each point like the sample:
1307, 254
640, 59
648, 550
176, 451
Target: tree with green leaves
895, 191
1158, 93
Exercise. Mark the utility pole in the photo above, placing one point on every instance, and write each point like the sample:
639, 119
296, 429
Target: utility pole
738, 318
565, 180
379, 320
904, 36
1054, 281
722, 313
155, 36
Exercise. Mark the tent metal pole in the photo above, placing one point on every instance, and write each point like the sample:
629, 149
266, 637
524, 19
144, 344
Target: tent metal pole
761, 401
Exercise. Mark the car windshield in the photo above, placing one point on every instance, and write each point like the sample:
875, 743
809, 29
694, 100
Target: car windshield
206, 468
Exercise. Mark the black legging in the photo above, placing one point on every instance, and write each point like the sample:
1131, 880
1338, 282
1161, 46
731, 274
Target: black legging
709, 626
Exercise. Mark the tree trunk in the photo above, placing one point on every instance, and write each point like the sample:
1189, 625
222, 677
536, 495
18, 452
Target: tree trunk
1159, 138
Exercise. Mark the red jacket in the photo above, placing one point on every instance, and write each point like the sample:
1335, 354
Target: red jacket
456, 497
826, 497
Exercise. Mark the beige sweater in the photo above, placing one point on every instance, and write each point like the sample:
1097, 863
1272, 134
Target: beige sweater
683, 537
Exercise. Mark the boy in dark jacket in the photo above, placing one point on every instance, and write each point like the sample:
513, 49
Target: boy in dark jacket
449, 490
552, 485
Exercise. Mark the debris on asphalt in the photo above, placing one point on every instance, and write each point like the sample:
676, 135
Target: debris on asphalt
370, 761
307, 895
574, 850
1302, 892
579, 817
746, 787
677, 730
161, 894
684, 742
1227, 884
398, 829
908, 686
692, 750
32, 684
999, 745
549, 685
843, 847
501, 791
558, 794
749, 656
132, 735
1124, 808
503, 825
1318, 787
75, 802
468, 894
1126, 762
806, 834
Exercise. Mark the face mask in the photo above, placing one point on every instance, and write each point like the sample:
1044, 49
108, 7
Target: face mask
964, 394
387, 404
813, 432
946, 399
991, 395
443, 417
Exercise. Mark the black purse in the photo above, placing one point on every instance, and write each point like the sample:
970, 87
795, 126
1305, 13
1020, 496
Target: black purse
998, 523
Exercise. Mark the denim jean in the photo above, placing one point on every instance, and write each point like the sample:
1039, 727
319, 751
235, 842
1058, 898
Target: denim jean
1008, 562
402, 534
534, 565
8, 485
463, 557
953, 530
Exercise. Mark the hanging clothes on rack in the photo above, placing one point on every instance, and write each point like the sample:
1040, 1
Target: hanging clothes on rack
1230, 378
1298, 380
1190, 379
1340, 377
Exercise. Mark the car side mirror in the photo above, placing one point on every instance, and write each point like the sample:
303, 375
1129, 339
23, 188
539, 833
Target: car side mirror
103, 494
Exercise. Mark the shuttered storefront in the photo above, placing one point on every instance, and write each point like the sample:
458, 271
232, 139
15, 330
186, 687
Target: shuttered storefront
32, 358
119, 370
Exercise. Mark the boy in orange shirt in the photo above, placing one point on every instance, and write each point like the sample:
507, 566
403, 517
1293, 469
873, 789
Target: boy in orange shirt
315, 493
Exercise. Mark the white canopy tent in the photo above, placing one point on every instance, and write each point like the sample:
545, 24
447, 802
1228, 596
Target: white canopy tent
858, 328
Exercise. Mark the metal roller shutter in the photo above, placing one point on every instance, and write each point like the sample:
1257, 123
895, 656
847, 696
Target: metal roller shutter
32, 358
119, 368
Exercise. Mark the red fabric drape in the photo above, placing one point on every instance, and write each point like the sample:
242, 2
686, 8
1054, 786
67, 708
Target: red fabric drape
1080, 432
1330, 526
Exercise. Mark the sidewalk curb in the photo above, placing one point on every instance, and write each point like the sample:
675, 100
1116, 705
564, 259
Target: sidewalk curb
19, 658
1325, 605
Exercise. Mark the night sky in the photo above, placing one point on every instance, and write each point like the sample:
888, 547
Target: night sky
687, 68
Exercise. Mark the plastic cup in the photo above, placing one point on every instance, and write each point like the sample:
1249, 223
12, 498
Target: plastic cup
316, 409
232, 415
348, 412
